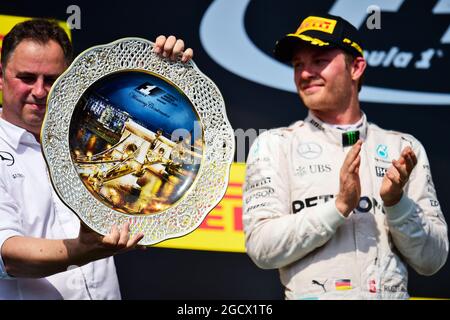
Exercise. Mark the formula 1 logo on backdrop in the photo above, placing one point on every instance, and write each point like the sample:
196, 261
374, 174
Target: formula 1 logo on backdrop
410, 49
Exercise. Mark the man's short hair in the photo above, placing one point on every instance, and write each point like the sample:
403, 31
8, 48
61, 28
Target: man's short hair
38, 30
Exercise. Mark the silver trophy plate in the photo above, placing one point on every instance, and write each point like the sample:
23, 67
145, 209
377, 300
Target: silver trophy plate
132, 137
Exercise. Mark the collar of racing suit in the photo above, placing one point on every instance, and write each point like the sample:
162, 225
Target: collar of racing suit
334, 134
14, 135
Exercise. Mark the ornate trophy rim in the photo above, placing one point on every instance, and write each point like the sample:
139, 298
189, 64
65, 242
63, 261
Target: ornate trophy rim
130, 55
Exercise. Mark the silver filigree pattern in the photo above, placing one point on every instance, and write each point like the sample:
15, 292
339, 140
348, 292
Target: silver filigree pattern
135, 54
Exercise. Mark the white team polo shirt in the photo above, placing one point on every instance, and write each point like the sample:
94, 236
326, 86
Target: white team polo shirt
30, 207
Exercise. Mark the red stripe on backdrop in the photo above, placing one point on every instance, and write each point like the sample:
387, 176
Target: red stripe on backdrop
232, 196
235, 184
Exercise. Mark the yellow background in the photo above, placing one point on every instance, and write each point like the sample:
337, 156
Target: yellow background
222, 228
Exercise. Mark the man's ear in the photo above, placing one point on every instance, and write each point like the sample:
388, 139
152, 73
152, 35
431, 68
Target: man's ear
358, 67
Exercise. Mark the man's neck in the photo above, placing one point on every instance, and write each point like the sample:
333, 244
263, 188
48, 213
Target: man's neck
346, 115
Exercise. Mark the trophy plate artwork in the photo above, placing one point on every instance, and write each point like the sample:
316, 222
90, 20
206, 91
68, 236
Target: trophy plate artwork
130, 136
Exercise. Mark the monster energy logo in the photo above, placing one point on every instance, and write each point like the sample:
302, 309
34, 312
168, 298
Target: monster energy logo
349, 138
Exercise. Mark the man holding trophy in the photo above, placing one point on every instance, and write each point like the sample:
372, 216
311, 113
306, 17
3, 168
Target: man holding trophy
45, 252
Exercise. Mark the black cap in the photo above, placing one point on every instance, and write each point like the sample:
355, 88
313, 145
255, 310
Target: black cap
324, 31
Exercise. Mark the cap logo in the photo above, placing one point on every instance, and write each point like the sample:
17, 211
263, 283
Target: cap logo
314, 41
317, 23
354, 45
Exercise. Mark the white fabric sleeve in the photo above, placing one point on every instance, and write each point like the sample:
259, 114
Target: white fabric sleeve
274, 236
10, 223
416, 223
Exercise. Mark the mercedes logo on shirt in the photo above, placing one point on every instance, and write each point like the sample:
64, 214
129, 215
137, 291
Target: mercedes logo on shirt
309, 150
7, 157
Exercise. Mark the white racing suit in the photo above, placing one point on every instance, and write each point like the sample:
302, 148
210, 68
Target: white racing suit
291, 221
